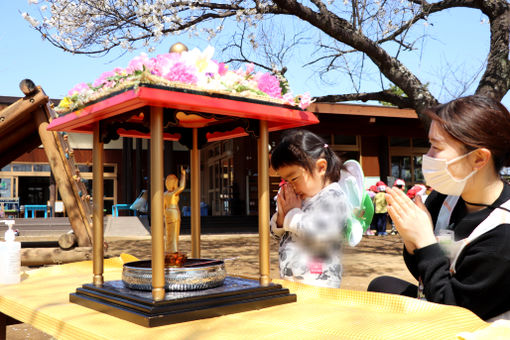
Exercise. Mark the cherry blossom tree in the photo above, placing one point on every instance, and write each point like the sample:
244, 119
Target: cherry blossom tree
344, 35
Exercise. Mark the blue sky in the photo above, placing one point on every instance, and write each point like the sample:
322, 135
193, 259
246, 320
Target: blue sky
459, 43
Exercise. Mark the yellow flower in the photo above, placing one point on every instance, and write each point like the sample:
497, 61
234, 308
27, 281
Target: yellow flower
65, 103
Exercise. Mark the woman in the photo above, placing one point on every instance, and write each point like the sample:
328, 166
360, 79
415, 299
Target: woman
469, 212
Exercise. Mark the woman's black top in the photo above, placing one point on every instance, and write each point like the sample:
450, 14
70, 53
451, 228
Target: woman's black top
482, 279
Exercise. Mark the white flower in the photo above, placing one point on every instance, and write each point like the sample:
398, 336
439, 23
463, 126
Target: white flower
202, 62
31, 20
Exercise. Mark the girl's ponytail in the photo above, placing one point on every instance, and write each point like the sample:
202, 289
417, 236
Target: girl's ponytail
334, 164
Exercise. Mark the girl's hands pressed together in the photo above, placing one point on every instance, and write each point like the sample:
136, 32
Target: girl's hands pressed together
411, 219
286, 201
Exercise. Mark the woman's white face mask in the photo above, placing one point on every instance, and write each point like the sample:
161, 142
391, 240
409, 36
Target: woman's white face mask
437, 175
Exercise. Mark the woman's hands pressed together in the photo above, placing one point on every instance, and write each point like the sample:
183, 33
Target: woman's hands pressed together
287, 200
411, 219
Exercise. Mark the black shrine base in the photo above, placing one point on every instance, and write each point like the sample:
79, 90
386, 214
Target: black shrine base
236, 295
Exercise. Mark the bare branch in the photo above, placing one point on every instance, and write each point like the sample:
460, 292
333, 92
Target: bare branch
348, 37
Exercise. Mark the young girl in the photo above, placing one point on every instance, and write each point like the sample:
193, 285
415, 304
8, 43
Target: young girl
311, 210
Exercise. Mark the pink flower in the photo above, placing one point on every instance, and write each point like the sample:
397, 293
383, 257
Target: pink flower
103, 79
162, 63
269, 84
78, 88
222, 69
249, 68
288, 99
305, 100
137, 63
182, 73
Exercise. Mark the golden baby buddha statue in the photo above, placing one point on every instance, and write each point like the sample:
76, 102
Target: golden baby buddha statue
174, 188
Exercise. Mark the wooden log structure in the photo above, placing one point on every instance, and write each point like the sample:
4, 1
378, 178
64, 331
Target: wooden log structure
45, 256
67, 241
27, 86
23, 128
64, 183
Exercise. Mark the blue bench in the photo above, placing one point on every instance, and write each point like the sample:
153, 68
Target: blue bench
117, 207
35, 207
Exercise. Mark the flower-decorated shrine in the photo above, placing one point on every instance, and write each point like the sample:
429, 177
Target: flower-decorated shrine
140, 102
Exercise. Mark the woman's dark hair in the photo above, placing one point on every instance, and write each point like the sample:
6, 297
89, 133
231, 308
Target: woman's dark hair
477, 122
304, 148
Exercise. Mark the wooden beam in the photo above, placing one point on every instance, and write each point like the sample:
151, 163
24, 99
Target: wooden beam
17, 112
362, 110
64, 184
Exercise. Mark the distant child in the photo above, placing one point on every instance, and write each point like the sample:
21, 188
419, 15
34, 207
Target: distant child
381, 209
312, 210
401, 184
372, 191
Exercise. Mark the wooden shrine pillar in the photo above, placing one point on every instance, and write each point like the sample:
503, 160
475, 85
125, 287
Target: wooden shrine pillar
157, 227
98, 206
138, 167
127, 170
195, 197
263, 191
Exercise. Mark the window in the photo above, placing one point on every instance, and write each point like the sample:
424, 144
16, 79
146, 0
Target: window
84, 168
42, 167
108, 191
110, 183
5, 187
21, 167
346, 155
346, 147
505, 173
220, 177
421, 143
344, 140
401, 168
418, 175
406, 158
107, 168
400, 141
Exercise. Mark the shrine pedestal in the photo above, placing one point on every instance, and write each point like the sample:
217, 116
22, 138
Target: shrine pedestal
235, 295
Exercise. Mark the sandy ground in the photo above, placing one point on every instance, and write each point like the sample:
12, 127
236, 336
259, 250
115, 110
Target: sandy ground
373, 257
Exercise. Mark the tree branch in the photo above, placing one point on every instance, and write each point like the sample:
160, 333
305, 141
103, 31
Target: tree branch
391, 67
382, 96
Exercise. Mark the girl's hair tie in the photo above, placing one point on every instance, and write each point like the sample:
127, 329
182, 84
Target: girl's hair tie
326, 145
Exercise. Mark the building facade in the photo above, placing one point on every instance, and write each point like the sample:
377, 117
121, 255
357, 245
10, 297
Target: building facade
388, 142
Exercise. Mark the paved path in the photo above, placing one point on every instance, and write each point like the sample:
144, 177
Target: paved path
49, 229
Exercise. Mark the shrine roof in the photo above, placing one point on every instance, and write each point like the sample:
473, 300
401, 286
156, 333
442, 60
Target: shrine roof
221, 116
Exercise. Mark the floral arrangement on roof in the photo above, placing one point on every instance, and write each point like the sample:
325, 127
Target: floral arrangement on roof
195, 70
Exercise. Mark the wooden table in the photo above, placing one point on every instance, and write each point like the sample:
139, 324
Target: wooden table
42, 300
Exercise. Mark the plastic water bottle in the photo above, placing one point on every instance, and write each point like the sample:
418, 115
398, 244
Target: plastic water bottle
10, 256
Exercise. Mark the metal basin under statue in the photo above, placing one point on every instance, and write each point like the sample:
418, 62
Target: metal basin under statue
195, 275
